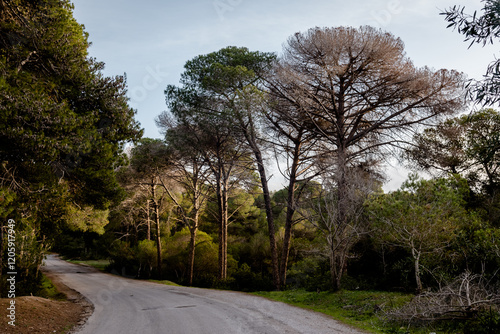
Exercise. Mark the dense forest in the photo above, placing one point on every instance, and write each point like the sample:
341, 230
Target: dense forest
198, 206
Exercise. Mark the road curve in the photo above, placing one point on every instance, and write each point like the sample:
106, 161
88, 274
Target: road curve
126, 306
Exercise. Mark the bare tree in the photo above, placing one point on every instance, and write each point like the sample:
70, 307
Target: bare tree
341, 235
360, 93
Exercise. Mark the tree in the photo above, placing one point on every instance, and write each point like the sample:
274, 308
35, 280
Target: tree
213, 136
60, 118
468, 145
223, 86
440, 149
293, 139
62, 123
149, 162
421, 217
482, 29
341, 235
360, 93
232, 77
190, 172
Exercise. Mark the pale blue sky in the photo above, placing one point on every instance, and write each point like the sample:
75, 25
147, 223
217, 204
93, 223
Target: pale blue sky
150, 40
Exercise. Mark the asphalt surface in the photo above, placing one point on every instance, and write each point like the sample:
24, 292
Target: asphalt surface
126, 306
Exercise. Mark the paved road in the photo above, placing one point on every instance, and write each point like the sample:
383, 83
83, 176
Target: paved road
125, 306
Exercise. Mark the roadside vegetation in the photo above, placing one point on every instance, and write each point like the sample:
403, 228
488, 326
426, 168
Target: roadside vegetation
360, 309
101, 265
196, 207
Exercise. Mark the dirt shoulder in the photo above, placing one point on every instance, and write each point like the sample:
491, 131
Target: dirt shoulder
41, 315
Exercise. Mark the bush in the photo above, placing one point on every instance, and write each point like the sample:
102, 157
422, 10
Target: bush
246, 280
311, 273
486, 322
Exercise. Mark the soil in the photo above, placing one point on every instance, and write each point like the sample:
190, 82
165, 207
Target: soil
43, 316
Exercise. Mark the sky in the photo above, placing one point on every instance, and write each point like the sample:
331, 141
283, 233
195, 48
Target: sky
151, 40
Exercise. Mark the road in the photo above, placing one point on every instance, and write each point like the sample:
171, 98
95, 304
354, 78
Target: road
126, 306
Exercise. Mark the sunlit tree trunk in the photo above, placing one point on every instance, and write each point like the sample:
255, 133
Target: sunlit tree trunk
148, 221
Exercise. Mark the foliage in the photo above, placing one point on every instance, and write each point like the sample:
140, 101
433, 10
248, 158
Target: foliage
49, 290
63, 126
86, 219
483, 29
57, 108
468, 145
212, 107
486, 322
421, 217
205, 263
357, 90
477, 249
28, 258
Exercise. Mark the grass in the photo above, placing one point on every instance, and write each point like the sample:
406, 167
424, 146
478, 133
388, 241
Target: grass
98, 264
102, 264
360, 309
165, 282
48, 290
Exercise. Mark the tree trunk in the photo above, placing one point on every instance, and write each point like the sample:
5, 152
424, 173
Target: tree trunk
269, 216
158, 241
416, 258
157, 221
194, 229
335, 275
192, 248
224, 226
339, 252
222, 207
290, 210
249, 132
148, 232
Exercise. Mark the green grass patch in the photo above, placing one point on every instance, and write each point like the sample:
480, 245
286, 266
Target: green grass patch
360, 309
48, 290
165, 282
98, 264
